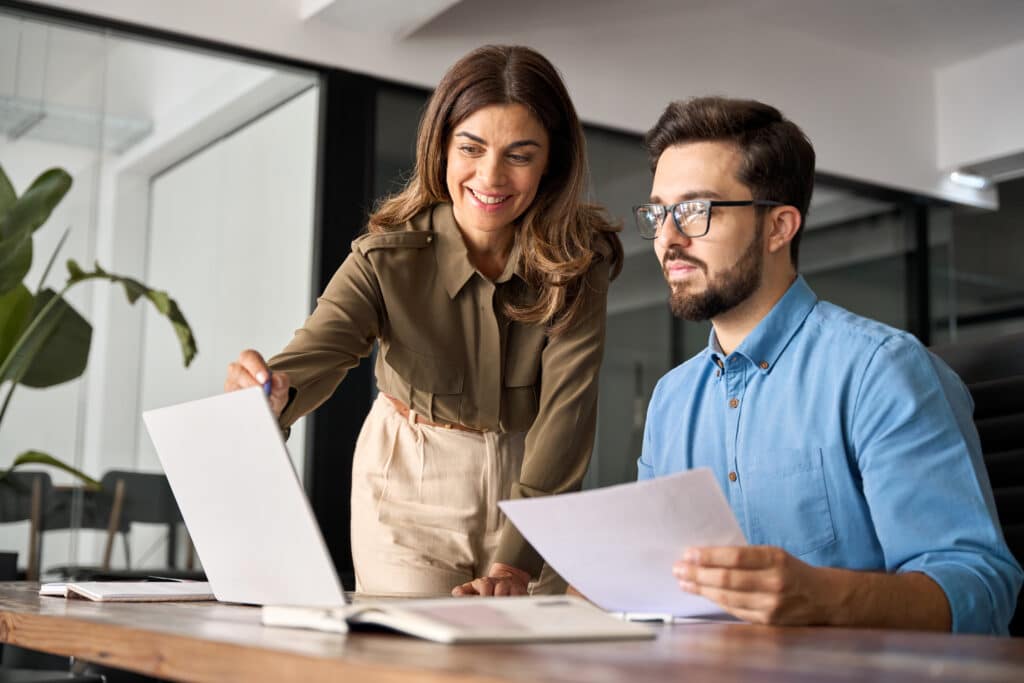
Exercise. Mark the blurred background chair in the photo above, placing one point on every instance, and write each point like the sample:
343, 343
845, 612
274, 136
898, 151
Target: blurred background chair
993, 370
125, 497
23, 497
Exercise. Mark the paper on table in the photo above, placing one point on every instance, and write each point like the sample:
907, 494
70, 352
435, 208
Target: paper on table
616, 545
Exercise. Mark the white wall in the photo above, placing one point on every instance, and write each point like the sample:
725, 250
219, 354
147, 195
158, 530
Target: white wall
980, 108
231, 235
871, 117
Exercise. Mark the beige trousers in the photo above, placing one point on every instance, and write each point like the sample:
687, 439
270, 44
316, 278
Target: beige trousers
425, 514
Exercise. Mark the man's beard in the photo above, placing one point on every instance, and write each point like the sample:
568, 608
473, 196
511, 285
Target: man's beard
723, 293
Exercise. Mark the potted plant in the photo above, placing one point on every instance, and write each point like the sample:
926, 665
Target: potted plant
44, 341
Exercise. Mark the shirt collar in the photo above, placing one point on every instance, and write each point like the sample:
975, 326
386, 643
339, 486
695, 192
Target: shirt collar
453, 257
763, 346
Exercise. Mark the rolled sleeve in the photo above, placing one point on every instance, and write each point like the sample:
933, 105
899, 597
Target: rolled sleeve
559, 443
926, 486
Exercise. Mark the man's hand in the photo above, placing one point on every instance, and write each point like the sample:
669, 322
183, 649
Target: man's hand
764, 584
502, 579
760, 584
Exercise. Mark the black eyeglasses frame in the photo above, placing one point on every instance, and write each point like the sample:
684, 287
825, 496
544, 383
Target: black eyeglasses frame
708, 204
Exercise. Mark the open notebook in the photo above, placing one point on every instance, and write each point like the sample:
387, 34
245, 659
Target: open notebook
469, 620
130, 591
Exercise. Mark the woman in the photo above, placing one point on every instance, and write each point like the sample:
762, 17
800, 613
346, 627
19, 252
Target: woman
484, 282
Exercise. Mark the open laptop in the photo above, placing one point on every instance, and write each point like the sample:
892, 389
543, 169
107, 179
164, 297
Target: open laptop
242, 502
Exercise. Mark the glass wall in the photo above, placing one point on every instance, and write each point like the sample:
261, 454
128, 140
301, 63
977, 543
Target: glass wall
185, 166
977, 278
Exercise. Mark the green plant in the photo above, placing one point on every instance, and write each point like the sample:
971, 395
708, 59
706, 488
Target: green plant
44, 341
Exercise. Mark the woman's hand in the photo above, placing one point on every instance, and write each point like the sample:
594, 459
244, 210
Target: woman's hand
250, 370
502, 579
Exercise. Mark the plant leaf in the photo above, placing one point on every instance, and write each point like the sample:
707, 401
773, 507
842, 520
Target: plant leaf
38, 359
64, 353
135, 290
53, 257
7, 193
15, 259
40, 458
15, 307
32, 209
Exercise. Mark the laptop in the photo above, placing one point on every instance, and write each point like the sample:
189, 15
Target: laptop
242, 502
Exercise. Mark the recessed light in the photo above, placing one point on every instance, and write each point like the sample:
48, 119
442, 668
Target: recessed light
975, 182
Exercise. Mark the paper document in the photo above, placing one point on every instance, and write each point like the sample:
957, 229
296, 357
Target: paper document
616, 545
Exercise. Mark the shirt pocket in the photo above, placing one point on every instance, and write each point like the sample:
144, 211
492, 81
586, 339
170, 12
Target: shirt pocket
521, 387
788, 502
424, 372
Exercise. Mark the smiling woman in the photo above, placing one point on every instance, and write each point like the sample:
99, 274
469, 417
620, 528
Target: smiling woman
496, 159
484, 281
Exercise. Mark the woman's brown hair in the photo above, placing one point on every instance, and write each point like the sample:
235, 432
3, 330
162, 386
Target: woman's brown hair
559, 234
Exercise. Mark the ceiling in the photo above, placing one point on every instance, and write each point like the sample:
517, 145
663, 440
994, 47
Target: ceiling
932, 33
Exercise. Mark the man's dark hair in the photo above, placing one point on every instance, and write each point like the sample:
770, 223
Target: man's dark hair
778, 159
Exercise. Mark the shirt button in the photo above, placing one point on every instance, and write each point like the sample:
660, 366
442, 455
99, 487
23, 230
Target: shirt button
733, 402
763, 365
732, 476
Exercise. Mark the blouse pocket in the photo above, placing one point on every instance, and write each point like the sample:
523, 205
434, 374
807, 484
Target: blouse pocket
521, 387
426, 373
788, 501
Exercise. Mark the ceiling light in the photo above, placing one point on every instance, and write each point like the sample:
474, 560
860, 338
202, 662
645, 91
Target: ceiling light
975, 182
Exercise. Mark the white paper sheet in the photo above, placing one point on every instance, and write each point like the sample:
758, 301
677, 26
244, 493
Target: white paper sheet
616, 545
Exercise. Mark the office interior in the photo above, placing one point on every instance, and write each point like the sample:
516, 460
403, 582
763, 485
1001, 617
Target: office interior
228, 153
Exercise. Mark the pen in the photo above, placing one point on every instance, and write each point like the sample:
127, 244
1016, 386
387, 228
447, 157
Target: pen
267, 384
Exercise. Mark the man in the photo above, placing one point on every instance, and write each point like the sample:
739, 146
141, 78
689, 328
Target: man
844, 447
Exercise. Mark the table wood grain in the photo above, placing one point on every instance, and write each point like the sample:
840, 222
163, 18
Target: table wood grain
210, 641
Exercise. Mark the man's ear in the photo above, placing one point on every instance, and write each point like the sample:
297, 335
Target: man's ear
783, 224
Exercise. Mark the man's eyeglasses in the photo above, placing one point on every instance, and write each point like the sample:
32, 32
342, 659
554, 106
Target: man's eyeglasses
692, 217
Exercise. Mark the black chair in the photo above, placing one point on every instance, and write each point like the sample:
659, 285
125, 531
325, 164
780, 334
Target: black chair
24, 496
125, 497
993, 370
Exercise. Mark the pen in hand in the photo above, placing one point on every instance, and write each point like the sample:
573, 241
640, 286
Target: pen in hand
268, 384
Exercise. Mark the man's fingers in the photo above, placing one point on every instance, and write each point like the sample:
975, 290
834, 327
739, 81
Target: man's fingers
737, 557
756, 580
733, 599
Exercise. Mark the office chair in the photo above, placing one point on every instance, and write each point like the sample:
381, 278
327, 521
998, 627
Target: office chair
993, 370
125, 497
23, 496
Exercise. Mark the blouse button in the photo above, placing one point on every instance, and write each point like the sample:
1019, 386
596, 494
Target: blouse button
763, 365
732, 476
733, 402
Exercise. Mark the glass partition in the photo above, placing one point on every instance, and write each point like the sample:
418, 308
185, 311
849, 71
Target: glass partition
193, 172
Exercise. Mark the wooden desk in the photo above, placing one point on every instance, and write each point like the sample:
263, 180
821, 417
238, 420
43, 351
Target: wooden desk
215, 642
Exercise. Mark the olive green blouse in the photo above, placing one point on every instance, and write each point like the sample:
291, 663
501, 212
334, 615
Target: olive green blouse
448, 350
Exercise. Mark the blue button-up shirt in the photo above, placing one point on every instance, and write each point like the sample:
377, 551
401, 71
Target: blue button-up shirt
848, 444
